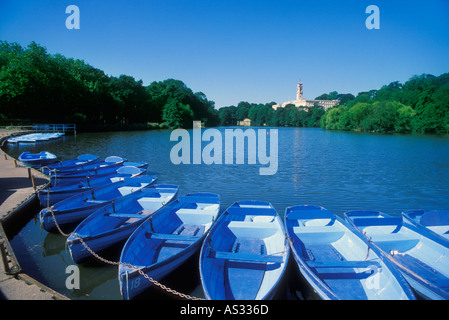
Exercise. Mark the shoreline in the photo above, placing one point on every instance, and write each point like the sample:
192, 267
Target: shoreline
19, 185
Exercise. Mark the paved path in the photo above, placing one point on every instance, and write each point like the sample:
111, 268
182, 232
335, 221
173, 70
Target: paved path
16, 188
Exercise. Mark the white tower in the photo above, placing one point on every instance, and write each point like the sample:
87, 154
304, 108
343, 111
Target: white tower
299, 92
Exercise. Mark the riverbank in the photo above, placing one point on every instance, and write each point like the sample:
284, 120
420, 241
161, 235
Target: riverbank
18, 186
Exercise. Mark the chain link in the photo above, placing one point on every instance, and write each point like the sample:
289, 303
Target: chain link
115, 263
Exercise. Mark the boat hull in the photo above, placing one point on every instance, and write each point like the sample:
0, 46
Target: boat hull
73, 210
109, 226
98, 243
132, 283
58, 179
72, 164
338, 263
245, 254
165, 241
67, 218
53, 195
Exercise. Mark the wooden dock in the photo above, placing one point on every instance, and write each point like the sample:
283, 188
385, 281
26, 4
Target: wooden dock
54, 127
18, 186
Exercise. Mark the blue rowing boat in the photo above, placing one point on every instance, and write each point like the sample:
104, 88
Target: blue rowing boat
245, 254
37, 160
73, 210
422, 257
338, 263
434, 221
74, 175
98, 170
51, 195
71, 164
115, 222
89, 166
35, 137
166, 240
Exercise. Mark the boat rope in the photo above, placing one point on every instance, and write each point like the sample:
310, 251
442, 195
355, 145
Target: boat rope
50, 172
115, 263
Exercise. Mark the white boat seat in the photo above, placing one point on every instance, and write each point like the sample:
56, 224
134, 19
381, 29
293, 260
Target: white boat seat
195, 216
127, 190
96, 201
343, 264
247, 229
177, 237
248, 257
127, 215
319, 234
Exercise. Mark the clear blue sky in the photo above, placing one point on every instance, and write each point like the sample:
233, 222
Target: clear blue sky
243, 50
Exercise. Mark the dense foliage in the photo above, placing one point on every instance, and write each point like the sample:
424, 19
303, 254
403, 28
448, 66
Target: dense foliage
419, 105
264, 114
40, 87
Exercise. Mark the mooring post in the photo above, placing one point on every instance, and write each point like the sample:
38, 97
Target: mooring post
32, 183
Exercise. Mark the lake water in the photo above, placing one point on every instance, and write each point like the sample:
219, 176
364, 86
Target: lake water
340, 171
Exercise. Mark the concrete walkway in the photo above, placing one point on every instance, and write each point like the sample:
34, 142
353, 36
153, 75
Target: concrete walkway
16, 190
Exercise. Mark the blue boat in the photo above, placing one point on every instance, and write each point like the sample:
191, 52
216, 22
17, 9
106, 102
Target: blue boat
70, 164
35, 137
166, 240
37, 160
114, 223
433, 221
51, 195
422, 257
75, 209
245, 254
337, 262
98, 169
89, 165
74, 175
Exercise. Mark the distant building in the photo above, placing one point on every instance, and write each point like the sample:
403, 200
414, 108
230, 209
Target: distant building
244, 123
305, 104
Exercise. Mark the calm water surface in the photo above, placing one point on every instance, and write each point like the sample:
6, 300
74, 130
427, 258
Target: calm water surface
340, 171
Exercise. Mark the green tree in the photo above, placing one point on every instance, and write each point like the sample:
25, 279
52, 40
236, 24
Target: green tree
227, 116
44, 87
177, 115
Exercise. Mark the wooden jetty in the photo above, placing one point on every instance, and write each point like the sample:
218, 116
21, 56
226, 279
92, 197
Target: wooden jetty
18, 186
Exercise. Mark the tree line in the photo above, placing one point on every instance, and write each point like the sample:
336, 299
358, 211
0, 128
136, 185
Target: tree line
264, 115
419, 105
39, 87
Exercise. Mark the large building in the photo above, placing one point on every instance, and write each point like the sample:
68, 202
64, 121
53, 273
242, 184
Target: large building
303, 103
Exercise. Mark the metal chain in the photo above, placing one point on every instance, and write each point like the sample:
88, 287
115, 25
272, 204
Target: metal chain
56, 222
114, 263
